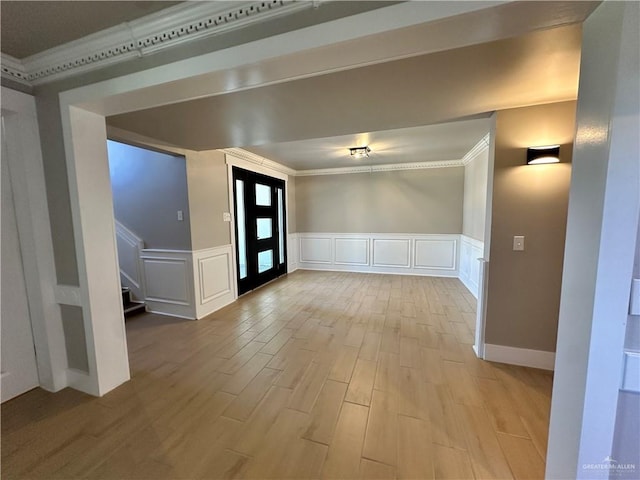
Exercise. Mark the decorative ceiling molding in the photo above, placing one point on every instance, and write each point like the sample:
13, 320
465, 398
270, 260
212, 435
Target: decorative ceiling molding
258, 160
12, 68
379, 168
166, 28
478, 148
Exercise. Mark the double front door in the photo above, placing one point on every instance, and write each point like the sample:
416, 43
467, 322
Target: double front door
260, 228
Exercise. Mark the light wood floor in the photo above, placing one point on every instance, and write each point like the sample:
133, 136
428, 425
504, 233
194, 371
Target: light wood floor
317, 375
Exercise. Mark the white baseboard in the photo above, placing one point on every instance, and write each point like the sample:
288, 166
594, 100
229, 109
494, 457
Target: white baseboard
520, 356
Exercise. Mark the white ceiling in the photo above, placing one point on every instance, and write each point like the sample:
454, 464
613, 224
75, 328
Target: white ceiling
447, 141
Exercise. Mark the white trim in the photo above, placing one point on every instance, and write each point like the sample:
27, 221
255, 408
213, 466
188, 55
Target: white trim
27, 175
401, 250
520, 356
167, 28
379, 168
135, 244
225, 276
250, 161
481, 307
14, 69
470, 255
68, 295
477, 149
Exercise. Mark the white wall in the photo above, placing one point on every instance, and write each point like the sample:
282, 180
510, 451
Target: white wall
600, 245
475, 195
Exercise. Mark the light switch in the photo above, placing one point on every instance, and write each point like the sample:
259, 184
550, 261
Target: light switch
518, 243
180, 216
226, 217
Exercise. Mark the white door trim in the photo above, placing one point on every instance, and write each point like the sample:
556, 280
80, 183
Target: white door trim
27, 176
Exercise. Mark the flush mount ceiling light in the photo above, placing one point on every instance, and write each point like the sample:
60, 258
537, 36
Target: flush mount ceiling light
359, 152
544, 154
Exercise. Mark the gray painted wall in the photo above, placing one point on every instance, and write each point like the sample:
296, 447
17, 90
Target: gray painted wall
475, 196
208, 198
149, 188
401, 201
529, 200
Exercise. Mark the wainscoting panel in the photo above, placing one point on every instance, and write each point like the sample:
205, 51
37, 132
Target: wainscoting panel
315, 249
292, 252
351, 251
436, 253
404, 254
470, 251
392, 252
168, 282
213, 278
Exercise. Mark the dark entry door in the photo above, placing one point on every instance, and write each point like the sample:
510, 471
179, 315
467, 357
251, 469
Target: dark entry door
260, 228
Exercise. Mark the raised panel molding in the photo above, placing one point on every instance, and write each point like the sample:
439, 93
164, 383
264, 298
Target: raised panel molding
188, 284
404, 254
167, 280
292, 252
471, 250
436, 254
214, 279
391, 252
351, 251
315, 249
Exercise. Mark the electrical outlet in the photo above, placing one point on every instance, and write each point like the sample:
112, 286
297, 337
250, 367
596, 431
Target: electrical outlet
180, 216
226, 217
518, 243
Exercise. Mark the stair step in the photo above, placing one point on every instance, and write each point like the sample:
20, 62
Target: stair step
134, 308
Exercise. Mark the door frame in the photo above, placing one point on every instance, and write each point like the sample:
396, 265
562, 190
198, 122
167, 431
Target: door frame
277, 269
256, 164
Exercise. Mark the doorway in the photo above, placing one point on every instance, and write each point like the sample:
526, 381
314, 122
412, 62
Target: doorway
259, 207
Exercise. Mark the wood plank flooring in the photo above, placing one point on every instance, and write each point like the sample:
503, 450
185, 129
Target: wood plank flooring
316, 375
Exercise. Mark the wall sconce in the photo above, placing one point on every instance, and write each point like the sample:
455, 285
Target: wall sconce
359, 152
545, 154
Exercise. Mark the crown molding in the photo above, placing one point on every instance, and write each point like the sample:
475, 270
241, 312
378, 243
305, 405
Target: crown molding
478, 148
260, 161
13, 68
164, 29
379, 168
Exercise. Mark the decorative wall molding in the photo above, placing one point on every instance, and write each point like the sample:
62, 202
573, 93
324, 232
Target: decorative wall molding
520, 356
292, 252
402, 254
471, 251
164, 29
188, 284
256, 163
130, 248
631, 375
379, 168
214, 279
478, 148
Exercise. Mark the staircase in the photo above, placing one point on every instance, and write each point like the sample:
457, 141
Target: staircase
131, 307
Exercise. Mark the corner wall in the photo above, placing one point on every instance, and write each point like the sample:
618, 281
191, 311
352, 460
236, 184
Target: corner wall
523, 291
149, 188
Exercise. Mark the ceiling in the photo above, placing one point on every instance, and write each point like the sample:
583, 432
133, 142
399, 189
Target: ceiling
427, 107
447, 141
326, 112
30, 27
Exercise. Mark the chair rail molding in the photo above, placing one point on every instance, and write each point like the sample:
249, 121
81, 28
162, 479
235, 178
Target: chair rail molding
176, 25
